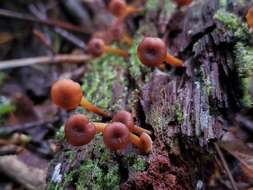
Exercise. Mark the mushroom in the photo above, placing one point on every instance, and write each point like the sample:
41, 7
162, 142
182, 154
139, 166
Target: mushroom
152, 52
249, 18
143, 143
182, 3
116, 136
120, 9
96, 47
126, 118
78, 131
118, 31
68, 94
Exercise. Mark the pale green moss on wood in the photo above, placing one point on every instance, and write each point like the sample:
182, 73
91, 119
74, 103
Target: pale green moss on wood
243, 51
234, 24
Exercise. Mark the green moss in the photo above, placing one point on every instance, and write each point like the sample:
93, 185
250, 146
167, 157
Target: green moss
139, 165
136, 69
6, 106
233, 23
60, 134
151, 5
244, 64
99, 79
247, 101
53, 186
244, 59
135, 162
179, 115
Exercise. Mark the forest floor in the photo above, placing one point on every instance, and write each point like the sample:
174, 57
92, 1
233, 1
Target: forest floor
200, 116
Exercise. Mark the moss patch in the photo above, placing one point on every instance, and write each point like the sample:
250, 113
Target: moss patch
243, 50
233, 23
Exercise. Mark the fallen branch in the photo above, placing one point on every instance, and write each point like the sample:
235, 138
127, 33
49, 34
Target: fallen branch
43, 60
225, 165
30, 177
54, 23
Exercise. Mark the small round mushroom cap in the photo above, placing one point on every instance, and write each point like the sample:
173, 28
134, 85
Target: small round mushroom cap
116, 136
182, 2
117, 29
152, 51
124, 117
145, 143
117, 7
78, 131
96, 47
66, 94
249, 17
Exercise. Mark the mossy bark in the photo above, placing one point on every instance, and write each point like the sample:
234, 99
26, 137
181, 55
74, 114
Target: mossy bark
186, 110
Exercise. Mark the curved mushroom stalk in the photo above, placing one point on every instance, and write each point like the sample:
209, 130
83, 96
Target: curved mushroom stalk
126, 118
96, 47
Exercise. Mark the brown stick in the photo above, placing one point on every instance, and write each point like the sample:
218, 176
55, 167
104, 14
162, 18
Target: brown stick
43, 60
230, 176
25, 17
32, 178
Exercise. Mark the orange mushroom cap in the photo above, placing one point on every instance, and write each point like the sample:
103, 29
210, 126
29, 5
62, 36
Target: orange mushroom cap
116, 136
152, 51
117, 7
66, 94
249, 17
78, 131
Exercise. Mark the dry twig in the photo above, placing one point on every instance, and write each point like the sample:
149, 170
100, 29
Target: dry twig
43, 60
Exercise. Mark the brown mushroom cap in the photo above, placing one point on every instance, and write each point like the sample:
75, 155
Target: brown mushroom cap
117, 29
117, 7
116, 136
152, 51
145, 143
96, 47
124, 117
78, 131
66, 94
249, 17
182, 2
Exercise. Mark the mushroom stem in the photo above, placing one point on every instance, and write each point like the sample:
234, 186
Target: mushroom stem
135, 140
144, 142
140, 130
132, 10
127, 40
92, 108
171, 60
99, 127
115, 51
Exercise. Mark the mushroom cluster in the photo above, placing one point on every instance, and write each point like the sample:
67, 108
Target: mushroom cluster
79, 131
99, 43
